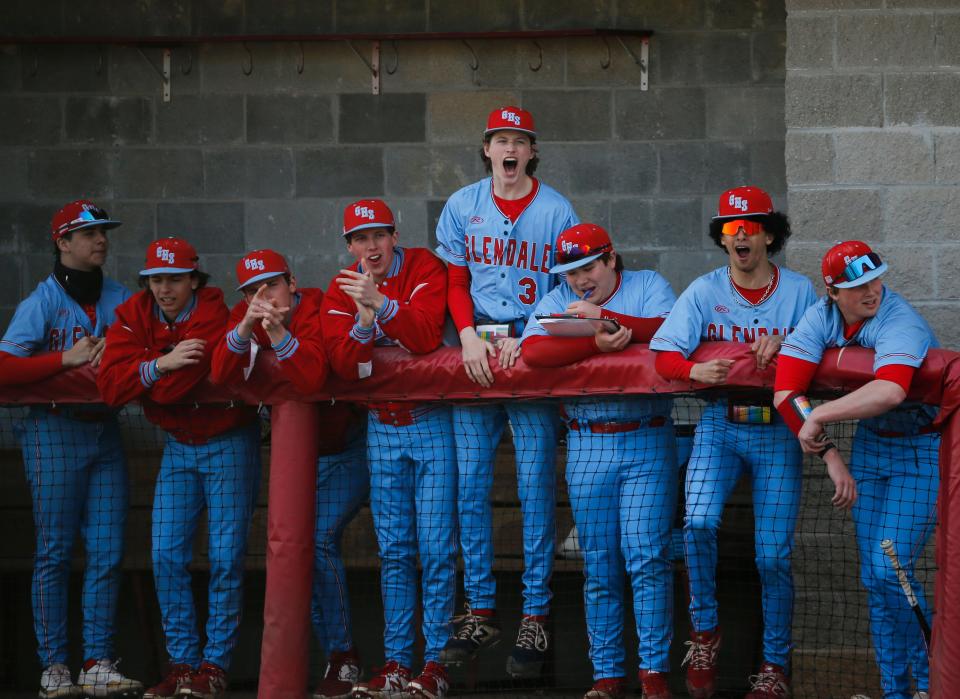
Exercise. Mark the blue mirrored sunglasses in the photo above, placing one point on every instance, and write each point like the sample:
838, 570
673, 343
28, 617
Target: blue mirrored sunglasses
860, 266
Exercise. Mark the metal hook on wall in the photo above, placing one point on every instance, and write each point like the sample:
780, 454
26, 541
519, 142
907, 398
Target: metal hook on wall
186, 68
300, 59
396, 59
540, 57
99, 69
474, 63
248, 68
604, 64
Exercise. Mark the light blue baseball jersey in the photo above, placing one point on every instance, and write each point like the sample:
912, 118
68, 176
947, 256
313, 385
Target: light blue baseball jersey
508, 261
897, 334
712, 309
49, 320
641, 294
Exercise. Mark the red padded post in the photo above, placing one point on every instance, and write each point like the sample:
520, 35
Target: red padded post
284, 661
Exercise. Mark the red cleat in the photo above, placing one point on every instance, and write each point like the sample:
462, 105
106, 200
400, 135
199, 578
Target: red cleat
654, 685
608, 688
701, 662
770, 683
342, 675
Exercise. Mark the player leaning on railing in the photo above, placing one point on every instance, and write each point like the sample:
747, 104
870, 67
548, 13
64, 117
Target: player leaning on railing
72, 455
750, 299
497, 235
621, 459
396, 296
894, 455
276, 314
157, 351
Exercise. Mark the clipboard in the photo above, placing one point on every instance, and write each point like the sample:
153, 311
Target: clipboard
567, 325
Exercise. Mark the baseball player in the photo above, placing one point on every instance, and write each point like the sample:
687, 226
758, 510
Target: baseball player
72, 455
157, 351
277, 314
396, 296
621, 460
894, 455
497, 236
750, 300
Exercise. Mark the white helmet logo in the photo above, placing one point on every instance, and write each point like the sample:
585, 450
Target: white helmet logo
738, 202
511, 117
254, 264
364, 212
166, 255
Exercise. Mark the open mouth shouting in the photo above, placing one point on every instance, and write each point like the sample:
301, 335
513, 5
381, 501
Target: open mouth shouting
510, 166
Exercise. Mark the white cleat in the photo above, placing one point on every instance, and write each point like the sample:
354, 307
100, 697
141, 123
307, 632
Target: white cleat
101, 678
56, 682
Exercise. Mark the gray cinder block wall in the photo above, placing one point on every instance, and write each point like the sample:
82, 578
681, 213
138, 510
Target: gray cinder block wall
873, 149
238, 161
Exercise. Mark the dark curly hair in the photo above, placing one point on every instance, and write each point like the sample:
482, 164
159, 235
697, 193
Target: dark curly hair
776, 224
531, 165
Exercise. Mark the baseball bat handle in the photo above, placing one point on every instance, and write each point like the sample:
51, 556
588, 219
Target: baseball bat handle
890, 551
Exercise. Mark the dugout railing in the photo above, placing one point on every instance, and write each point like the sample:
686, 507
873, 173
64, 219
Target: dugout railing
288, 541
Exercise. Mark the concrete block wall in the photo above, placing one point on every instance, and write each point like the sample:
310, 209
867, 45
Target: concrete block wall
872, 143
237, 161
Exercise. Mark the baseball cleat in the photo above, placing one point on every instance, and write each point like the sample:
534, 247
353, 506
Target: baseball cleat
388, 682
608, 688
208, 682
477, 631
431, 684
56, 682
770, 683
701, 663
175, 675
341, 676
530, 651
653, 685
100, 678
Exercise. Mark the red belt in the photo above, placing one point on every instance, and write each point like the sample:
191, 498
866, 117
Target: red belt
618, 427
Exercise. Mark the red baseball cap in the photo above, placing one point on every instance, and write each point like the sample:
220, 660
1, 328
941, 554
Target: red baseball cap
366, 213
579, 246
740, 202
79, 214
170, 256
259, 265
512, 118
850, 264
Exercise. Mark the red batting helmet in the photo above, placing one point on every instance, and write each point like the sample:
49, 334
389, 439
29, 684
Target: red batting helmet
366, 213
512, 118
79, 214
740, 202
850, 264
259, 265
579, 246
170, 256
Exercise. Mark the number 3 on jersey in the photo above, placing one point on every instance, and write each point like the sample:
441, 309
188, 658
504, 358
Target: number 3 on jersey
529, 294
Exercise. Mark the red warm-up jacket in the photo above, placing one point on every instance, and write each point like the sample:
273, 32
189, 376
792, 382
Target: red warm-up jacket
306, 368
140, 334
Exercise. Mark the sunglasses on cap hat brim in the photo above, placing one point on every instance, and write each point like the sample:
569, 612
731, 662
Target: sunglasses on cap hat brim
578, 256
89, 218
861, 270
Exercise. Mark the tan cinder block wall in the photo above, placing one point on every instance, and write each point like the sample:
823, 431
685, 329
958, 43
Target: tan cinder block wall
873, 141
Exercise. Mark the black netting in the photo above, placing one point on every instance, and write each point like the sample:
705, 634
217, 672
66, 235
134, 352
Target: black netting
730, 528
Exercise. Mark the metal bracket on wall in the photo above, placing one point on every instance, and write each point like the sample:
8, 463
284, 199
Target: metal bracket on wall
164, 73
373, 65
643, 60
